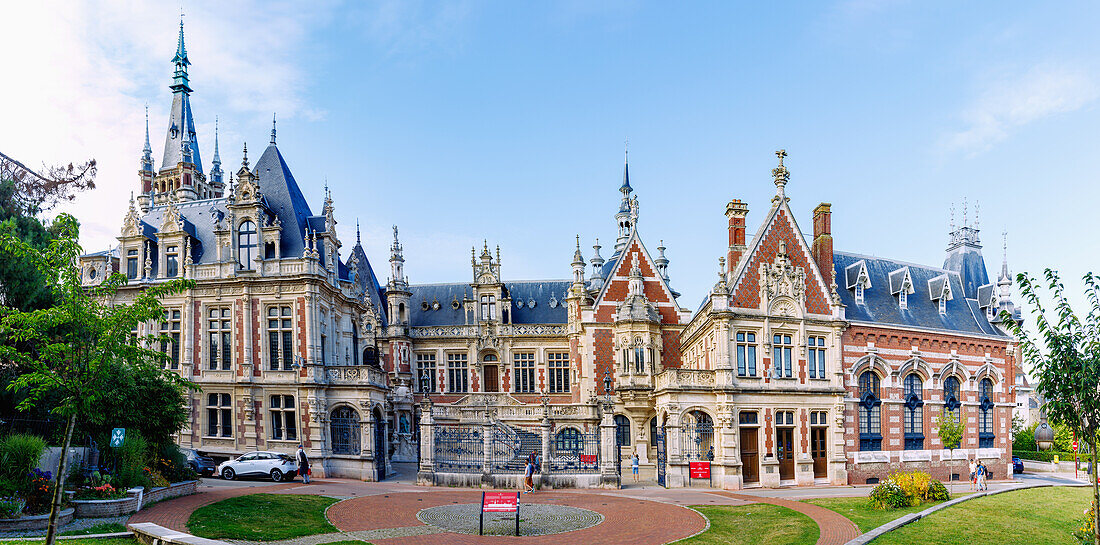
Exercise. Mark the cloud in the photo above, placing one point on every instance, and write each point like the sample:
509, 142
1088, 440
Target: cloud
1011, 102
80, 74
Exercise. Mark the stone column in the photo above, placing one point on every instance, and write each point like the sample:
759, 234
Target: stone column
729, 456
425, 474
609, 478
486, 452
544, 466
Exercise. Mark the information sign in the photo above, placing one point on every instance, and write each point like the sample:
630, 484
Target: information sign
699, 470
498, 502
118, 435
587, 459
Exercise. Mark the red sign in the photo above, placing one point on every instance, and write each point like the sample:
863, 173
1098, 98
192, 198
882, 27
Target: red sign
699, 470
1075, 446
500, 502
588, 458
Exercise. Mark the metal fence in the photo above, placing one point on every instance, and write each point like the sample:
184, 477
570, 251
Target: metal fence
697, 441
345, 435
511, 446
572, 451
458, 449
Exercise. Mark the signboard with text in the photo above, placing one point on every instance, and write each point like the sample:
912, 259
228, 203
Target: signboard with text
588, 459
699, 470
498, 502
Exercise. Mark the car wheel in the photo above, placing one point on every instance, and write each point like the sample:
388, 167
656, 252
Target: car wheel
194, 467
276, 475
228, 474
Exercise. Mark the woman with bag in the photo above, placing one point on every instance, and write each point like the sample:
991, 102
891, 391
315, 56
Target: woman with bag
303, 464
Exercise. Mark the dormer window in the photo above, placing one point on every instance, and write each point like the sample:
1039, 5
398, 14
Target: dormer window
171, 255
939, 289
857, 279
488, 307
903, 300
901, 285
246, 244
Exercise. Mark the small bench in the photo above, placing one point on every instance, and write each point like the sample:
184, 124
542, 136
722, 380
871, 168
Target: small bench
155, 534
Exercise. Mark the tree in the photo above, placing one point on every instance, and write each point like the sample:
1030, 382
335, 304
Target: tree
951, 431
70, 347
1066, 360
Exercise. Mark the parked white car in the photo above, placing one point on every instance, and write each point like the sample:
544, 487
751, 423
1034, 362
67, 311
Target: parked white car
276, 465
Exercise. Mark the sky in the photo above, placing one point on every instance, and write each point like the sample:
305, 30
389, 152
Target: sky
506, 122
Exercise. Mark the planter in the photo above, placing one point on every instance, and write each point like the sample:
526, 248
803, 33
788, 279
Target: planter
105, 508
35, 522
173, 490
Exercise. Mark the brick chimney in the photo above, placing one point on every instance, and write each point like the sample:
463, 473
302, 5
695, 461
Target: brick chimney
736, 212
822, 246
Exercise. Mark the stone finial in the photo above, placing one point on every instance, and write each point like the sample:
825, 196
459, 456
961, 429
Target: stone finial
781, 174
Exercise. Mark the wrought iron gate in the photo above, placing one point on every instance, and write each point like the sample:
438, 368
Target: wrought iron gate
662, 455
379, 445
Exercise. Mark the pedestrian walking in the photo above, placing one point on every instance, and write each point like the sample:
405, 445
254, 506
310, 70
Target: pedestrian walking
973, 474
303, 464
634, 461
982, 472
529, 475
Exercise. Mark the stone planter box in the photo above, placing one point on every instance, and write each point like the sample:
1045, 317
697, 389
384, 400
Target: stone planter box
133, 502
35, 522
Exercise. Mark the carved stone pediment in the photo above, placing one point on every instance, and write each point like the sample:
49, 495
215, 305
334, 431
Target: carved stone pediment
172, 222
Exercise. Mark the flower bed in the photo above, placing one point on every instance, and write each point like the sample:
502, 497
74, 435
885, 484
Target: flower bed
36, 522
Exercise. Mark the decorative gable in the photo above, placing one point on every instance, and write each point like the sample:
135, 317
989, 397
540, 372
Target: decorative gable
780, 237
616, 288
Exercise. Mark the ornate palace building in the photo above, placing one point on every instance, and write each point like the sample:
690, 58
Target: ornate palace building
802, 365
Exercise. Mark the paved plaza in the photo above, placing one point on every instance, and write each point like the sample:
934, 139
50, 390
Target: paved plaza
397, 512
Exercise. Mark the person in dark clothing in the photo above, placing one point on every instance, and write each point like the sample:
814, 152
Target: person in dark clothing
303, 464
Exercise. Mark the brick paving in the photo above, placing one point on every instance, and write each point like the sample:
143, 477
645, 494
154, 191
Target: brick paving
387, 512
834, 528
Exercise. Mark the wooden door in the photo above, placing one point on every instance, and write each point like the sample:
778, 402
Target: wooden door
819, 452
785, 452
491, 384
750, 456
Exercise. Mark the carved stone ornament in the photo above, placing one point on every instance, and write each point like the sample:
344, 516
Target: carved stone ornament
131, 225
172, 221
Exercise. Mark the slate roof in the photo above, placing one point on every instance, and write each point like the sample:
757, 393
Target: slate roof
285, 199
968, 260
538, 291
880, 306
180, 118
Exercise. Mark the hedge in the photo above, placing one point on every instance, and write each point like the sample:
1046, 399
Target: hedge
1048, 455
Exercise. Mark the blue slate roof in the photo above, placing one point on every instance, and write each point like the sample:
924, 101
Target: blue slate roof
539, 292
880, 306
967, 260
285, 199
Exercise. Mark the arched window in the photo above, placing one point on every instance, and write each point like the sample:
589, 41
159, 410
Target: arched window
914, 412
622, 430
344, 425
246, 244
951, 401
639, 357
568, 440
697, 436
870, 417
985, 405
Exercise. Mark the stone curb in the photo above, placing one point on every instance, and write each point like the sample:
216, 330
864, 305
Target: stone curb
902, 521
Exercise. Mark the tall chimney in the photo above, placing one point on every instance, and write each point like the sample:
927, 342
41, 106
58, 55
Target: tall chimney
823, 241
736, 212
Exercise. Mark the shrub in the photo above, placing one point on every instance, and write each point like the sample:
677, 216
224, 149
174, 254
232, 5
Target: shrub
888, 495
153, 478
937, 491
172, 463
907, 490
1025, 439
40, 492
130, 461
11, 507
19, 455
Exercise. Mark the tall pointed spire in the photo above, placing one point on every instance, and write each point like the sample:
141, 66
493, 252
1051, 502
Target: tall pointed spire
626, 215
216, 165
180, 82
181, 124
358, 241
147, 151
272, 129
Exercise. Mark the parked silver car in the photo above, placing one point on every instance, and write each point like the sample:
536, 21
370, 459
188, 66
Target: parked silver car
276, 465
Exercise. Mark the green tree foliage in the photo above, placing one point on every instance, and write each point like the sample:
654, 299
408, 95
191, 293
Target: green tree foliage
1066, 360
70, 348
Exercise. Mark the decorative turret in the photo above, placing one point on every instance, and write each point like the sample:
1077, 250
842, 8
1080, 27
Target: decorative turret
597, 261
397, 261
627, 214
661, 262
397, 293
179, 78
578, 267
146, 172
964, 255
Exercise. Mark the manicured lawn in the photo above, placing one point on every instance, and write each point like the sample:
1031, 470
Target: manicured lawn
101, 528
1038, 516
262, 517
859, 510
754, 524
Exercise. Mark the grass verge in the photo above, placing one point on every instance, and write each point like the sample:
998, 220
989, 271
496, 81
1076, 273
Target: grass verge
1036, 516
101, 528
104, 541
752, 524
262, 517
859, 510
